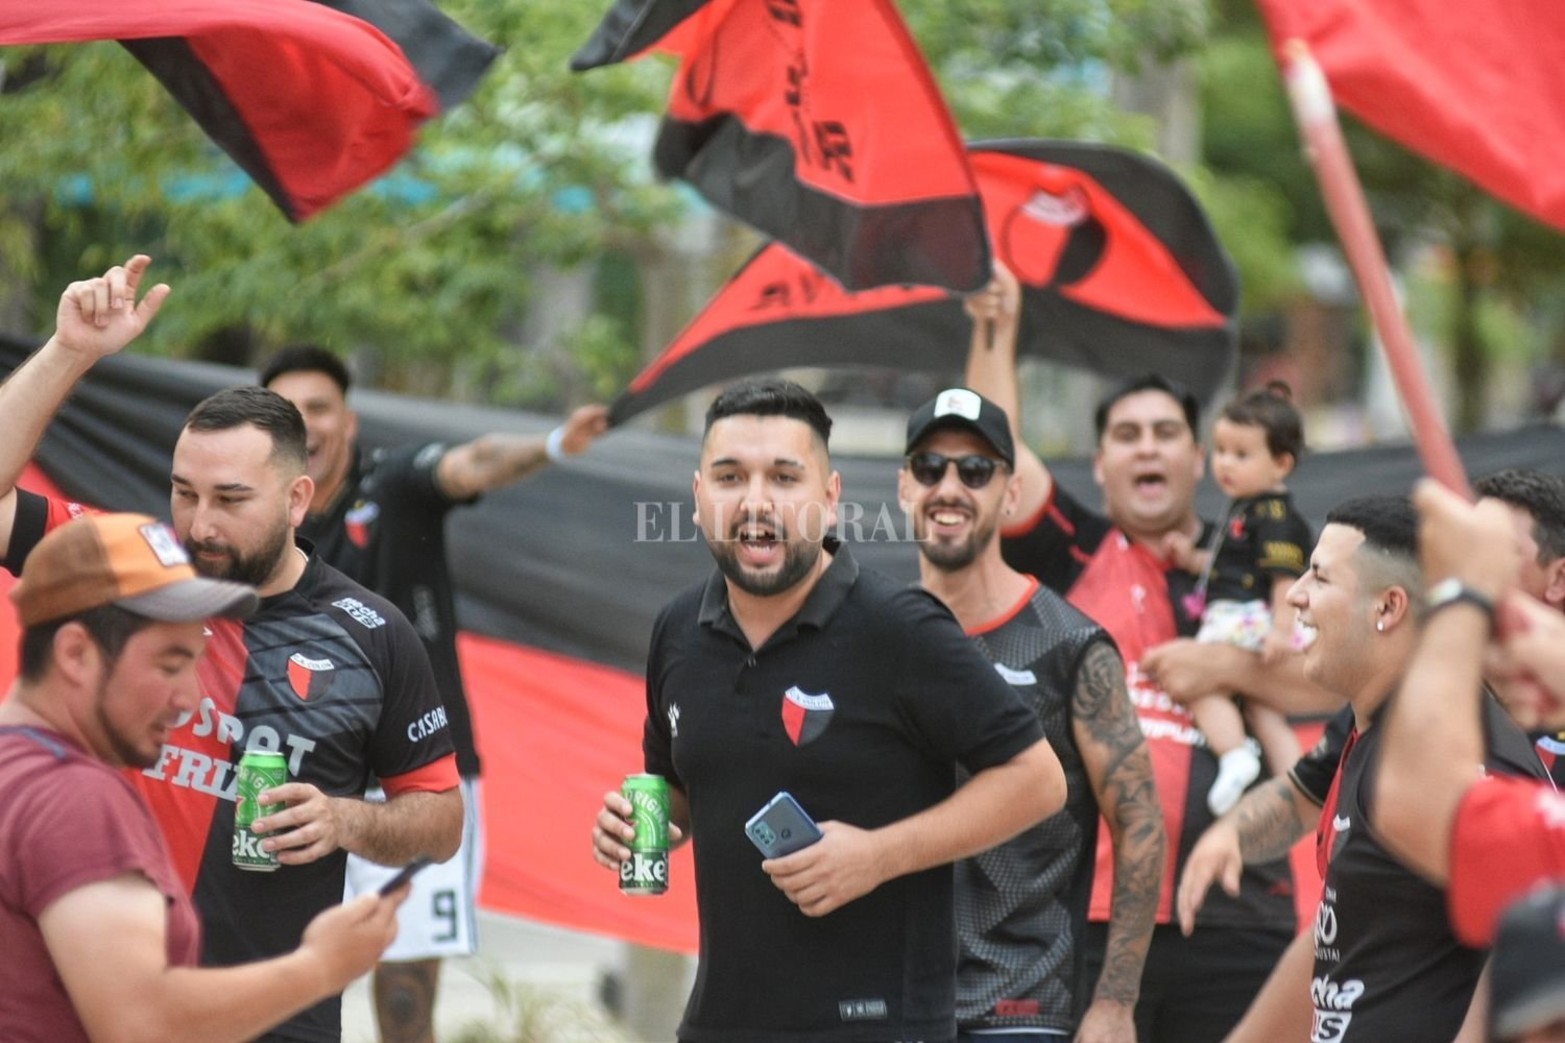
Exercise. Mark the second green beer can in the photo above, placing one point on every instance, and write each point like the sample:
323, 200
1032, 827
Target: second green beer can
259, 771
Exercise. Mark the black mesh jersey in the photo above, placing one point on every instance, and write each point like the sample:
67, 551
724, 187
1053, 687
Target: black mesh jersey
1021, 907
1387, 965
861, 706
386, 529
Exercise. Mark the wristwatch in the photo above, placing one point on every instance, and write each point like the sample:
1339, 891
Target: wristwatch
1452, 591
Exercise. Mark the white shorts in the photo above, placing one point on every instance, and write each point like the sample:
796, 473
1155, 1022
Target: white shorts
439, 917
1244, 624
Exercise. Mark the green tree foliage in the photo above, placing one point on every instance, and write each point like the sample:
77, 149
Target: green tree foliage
433, 269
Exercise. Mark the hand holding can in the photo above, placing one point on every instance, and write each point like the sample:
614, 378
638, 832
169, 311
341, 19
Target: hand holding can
645, 872
259, 771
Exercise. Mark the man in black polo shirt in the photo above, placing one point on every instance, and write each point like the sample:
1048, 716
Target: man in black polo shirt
792, 669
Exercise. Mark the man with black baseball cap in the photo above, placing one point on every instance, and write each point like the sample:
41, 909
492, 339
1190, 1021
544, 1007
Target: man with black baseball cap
1527, 971
113, 616
1021, 907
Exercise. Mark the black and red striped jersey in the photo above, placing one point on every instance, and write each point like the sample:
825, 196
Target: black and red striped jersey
1139, 598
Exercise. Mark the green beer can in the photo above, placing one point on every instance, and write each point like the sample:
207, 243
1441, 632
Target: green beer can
645, 872
259, 771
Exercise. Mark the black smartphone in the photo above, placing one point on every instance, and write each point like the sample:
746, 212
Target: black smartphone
781, 827
404, 875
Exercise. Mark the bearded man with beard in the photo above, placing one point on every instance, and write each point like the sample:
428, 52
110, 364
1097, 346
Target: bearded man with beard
325, 672
1021, 907
792, 669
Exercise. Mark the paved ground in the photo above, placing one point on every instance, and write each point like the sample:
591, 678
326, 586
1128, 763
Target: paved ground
550, 975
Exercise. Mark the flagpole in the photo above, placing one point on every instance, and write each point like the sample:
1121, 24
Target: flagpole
1316, 115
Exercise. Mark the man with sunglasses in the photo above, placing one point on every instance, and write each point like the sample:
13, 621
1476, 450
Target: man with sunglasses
1112, 567
1021, 907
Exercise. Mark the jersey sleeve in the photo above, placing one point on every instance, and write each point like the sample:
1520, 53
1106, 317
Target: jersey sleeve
657, 749
413, 733
110, 833
1509, 835
1055, 544
1313, 773
409, 479
1282, 538
36, 516
987, 723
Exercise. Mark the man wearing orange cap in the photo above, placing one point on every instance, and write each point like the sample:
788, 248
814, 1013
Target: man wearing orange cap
113, 628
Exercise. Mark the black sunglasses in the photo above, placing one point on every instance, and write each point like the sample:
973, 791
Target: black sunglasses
974, 471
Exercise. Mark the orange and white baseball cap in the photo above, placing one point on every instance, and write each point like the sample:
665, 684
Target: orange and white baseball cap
130, 560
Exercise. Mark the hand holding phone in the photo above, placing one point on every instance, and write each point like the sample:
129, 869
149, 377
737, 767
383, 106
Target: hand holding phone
404, 874
781, 827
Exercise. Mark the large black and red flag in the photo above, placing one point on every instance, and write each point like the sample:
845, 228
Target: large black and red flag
1475, 87
818, 123
312, 100
1120, 271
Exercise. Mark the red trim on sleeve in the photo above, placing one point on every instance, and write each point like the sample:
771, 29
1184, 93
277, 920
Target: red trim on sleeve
434, 777
1509, 835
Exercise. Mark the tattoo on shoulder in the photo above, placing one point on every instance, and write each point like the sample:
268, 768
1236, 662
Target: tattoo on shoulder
1100, 701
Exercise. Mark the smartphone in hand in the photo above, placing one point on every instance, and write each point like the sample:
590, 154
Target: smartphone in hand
781, 827
404, 874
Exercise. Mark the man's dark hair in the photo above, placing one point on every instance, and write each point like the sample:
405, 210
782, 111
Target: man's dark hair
771, 398
1388, 523
1540, 495
1150, 382
307, 358
1271, 409
109, 626
1390, 548
267, 410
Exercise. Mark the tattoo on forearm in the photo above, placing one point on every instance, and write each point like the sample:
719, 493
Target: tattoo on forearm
1127, 797
1268, 821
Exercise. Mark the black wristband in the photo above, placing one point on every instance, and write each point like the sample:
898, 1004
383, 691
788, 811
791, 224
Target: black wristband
1453, 591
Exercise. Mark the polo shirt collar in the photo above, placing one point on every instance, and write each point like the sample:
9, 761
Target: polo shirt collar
828, 594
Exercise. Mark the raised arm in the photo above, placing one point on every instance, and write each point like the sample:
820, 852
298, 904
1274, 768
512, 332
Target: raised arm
499, 459
994, 805
1437, 707
991, 371
108, 943
1114, 754
95, 318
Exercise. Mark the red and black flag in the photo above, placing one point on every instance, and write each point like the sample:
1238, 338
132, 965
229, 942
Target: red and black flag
1120, 271
1477, 88
818, 123
310, 99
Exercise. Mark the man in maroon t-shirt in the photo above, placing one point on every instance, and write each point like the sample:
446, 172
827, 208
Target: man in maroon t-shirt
113, 616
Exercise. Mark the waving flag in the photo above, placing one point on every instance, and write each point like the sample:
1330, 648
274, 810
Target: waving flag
818, 123
309, 100
1120, 273
1478, 88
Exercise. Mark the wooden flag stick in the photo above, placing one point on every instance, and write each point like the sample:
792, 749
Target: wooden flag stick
1316, 115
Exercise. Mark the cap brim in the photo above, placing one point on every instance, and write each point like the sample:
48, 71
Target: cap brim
953, 422
191, 600
1544, 1006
